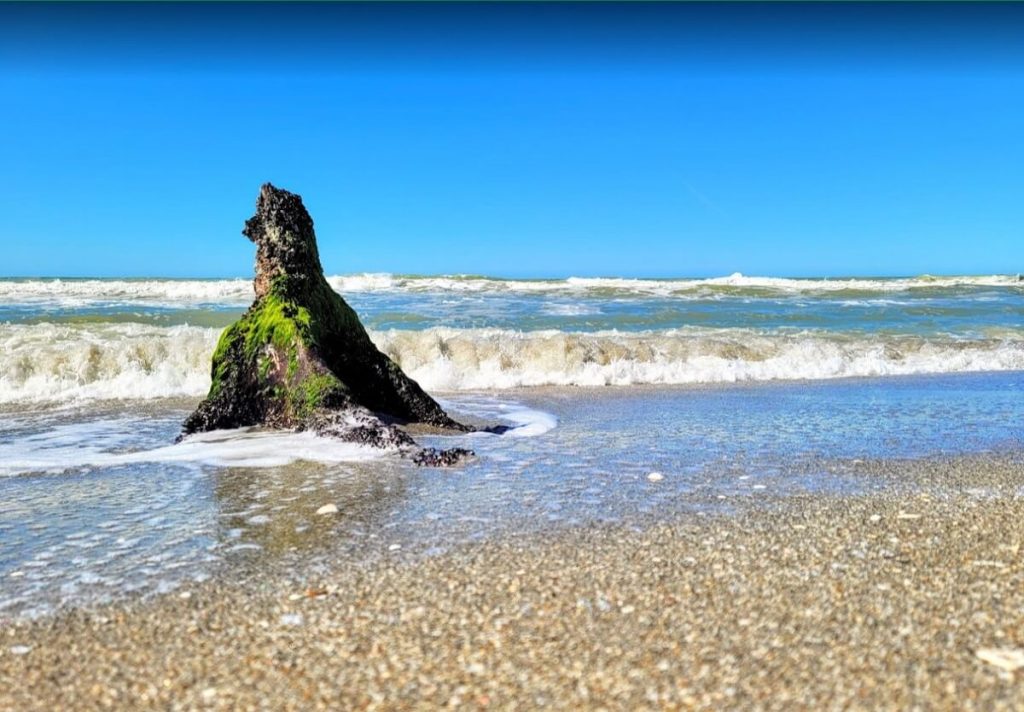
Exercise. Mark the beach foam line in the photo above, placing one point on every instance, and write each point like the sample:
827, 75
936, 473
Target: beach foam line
73, 447
69, 293
526, 422
102, 443
48, 363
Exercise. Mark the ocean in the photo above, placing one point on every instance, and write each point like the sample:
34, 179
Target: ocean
632, 398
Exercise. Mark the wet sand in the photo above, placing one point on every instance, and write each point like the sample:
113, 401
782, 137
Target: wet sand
912, 596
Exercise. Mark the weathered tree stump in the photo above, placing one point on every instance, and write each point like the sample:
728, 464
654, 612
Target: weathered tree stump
300, 359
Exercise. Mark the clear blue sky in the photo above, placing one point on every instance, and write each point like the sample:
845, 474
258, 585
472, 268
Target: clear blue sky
519, 140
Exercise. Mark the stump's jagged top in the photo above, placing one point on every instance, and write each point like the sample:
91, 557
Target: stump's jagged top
285, 242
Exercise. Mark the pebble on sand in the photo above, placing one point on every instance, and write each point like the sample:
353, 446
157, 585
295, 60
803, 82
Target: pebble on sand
328, 509
1009, 659
20, 649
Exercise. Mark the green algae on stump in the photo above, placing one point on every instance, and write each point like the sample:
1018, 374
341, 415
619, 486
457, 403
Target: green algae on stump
300, 358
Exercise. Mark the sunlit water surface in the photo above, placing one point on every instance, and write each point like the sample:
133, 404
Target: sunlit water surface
96, 503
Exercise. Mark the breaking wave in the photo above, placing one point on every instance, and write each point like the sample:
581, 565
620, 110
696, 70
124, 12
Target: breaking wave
50, 363
55, 363
449, 359
76, 292
79, 292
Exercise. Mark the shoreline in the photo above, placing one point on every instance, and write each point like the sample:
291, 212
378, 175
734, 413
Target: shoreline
816, 600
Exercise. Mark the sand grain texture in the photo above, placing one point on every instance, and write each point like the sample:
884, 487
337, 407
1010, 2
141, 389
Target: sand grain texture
824, 603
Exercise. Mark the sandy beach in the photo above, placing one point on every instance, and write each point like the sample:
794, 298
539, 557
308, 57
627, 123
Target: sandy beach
908, 598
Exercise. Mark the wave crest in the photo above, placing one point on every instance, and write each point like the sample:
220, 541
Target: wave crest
78, 292
450, 359
55, 363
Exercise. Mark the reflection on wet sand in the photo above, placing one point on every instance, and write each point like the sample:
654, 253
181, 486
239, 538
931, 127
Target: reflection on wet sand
267, 513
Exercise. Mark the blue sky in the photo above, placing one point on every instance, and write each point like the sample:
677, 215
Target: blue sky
518, 140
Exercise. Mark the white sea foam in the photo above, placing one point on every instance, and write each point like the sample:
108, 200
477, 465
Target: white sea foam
657, 287
55, 363
70, 293
570, 309
451, 359
529, 423
836, 284
67, 293
86, 445
105, 443
526, 422
67, 363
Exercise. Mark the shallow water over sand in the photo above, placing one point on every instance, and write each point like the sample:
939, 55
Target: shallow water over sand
94, 504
